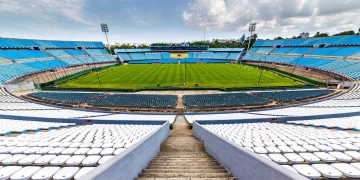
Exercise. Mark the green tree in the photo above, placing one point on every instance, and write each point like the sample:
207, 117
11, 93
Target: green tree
345, 33
318, 34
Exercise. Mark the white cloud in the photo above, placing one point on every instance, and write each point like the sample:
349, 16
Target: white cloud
48, 10
274, 17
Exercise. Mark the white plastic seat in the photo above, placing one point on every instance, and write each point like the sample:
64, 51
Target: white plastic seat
247, 144
75, 145
354, 154
341, 156
104, 159
107, 151
357, 165
56, 150
66, 173
265, 156
6, 150
85, 145
69, 151
81, 151
7, 171
309, 157
119, 150
278, 158
29, 159
290, 168
258, 144
337, 147
96, 145
285, 149
310, 148
272, 150
91, 160
19, 150
269, 143
327, 171
298, 149
82, 172
75, 160
31, 150
118, 145
44, 160
294, 158
12, 159
4, 156
44, 150
307, 171
94, 151
350, 147
59, 160
325, 157
25, 173
347, 170
45, 173
324, 148
107, 145
259, 150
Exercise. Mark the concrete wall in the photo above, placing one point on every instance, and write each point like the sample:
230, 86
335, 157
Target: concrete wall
242, 163
129, 164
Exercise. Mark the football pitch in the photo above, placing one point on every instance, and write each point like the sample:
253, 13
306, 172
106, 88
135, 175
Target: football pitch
158, 76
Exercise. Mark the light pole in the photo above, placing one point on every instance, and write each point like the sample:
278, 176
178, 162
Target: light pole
252, 28
105, 29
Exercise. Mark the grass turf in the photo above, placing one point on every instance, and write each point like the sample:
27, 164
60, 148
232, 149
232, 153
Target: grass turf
173, 75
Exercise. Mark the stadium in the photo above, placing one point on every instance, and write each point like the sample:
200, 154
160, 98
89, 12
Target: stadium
280, 109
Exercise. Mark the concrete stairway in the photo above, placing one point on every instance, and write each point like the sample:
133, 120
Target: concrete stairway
183, 157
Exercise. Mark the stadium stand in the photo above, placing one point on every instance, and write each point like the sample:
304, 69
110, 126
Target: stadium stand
136, 100
148, 56
23, 59
223, 100
72, 98
288, 96
65, 153
313, 153
337, 55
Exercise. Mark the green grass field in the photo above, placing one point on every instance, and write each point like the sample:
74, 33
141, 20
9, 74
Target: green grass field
173, 75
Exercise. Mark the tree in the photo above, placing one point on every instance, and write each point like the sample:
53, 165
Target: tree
345, 33
278, 38
318, 34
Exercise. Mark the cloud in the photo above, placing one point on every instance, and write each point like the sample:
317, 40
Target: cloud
46, 10
278, 16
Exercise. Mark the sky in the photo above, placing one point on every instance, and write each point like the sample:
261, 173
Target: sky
148, 21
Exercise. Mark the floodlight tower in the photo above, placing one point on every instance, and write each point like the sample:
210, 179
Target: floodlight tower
105, 29
252, 28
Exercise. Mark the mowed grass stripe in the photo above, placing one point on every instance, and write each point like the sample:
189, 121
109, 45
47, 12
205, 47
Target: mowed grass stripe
205, 75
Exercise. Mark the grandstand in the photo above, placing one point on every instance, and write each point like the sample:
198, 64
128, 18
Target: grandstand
23, 57
336, 55
177, 55
264, 134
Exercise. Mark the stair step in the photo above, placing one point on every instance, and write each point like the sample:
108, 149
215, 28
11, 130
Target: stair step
189, 175
183, 164
184, 171
183, 158
185, 167
217, 178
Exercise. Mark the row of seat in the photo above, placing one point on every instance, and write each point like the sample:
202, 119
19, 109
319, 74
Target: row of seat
290, 96
313, 153
43, 173
223, 100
